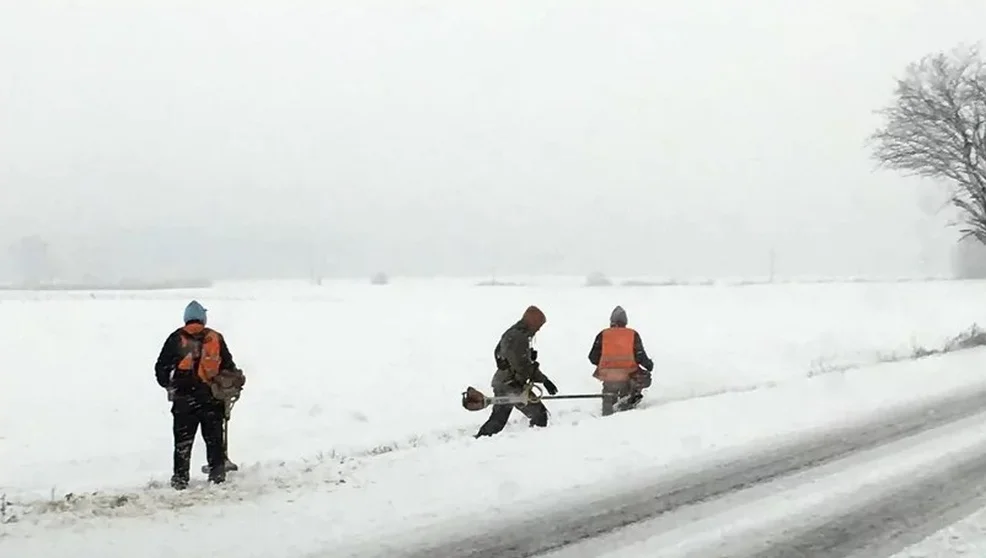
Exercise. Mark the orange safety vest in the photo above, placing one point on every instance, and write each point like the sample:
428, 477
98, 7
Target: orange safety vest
617, 362
205, 351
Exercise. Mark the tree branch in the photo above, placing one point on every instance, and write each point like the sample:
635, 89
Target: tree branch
936, 128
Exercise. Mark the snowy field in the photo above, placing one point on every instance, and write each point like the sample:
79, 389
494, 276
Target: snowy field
351, 427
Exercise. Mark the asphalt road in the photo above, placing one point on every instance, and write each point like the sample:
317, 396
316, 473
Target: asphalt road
877, 529
888, 525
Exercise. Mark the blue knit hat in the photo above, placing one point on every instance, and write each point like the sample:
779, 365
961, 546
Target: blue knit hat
195, 312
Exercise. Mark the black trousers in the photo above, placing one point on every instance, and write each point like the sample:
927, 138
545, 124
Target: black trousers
190, 412
536, 413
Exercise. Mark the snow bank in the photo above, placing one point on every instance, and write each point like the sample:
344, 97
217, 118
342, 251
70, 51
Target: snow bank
352, 386
350, 369
373, 505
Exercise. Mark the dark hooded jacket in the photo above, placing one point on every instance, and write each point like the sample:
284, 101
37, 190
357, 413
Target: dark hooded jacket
515, 362
171, 354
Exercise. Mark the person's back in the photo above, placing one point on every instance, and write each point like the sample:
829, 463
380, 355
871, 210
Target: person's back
516, 367
622, 364
192, 361
516, 363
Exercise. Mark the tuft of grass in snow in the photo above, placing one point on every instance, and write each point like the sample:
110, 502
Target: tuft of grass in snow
6, 516
332, 468
970, 338
382, 449
325, 469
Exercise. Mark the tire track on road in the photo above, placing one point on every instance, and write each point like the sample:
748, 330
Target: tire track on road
557, 528
890, 524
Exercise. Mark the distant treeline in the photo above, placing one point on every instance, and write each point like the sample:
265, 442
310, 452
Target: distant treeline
124, 285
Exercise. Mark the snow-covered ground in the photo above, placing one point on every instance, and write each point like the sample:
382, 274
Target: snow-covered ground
351, 430
750, 522
963, 539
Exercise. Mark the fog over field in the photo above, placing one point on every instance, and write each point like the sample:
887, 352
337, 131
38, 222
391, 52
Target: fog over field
250, 138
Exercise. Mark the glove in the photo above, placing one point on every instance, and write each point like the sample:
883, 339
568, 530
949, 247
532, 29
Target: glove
550, 386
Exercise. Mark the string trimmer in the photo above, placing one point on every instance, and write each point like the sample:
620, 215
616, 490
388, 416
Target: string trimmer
475, 400
230, 466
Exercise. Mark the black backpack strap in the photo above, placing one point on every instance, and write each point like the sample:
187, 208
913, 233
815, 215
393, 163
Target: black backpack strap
197, 348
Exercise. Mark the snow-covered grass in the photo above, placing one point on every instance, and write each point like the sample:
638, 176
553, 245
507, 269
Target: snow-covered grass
351, 417
392, 501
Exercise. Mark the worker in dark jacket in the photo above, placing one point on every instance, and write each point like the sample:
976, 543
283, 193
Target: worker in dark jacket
622, 364
195, 366
516, 368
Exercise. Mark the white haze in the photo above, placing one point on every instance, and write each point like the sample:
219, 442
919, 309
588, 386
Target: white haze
258, 138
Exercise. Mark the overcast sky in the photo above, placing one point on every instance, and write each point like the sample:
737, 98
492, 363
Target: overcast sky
427, 136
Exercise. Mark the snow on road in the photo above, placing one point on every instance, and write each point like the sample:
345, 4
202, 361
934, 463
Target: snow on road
769, 519
962, 539
350, 430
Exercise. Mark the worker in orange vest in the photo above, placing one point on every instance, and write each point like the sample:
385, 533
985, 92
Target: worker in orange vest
197, 368
622, 364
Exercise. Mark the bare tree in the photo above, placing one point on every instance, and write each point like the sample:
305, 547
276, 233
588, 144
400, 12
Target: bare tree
936, 128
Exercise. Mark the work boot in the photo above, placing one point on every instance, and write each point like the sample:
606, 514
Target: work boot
178, 482
218, 475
